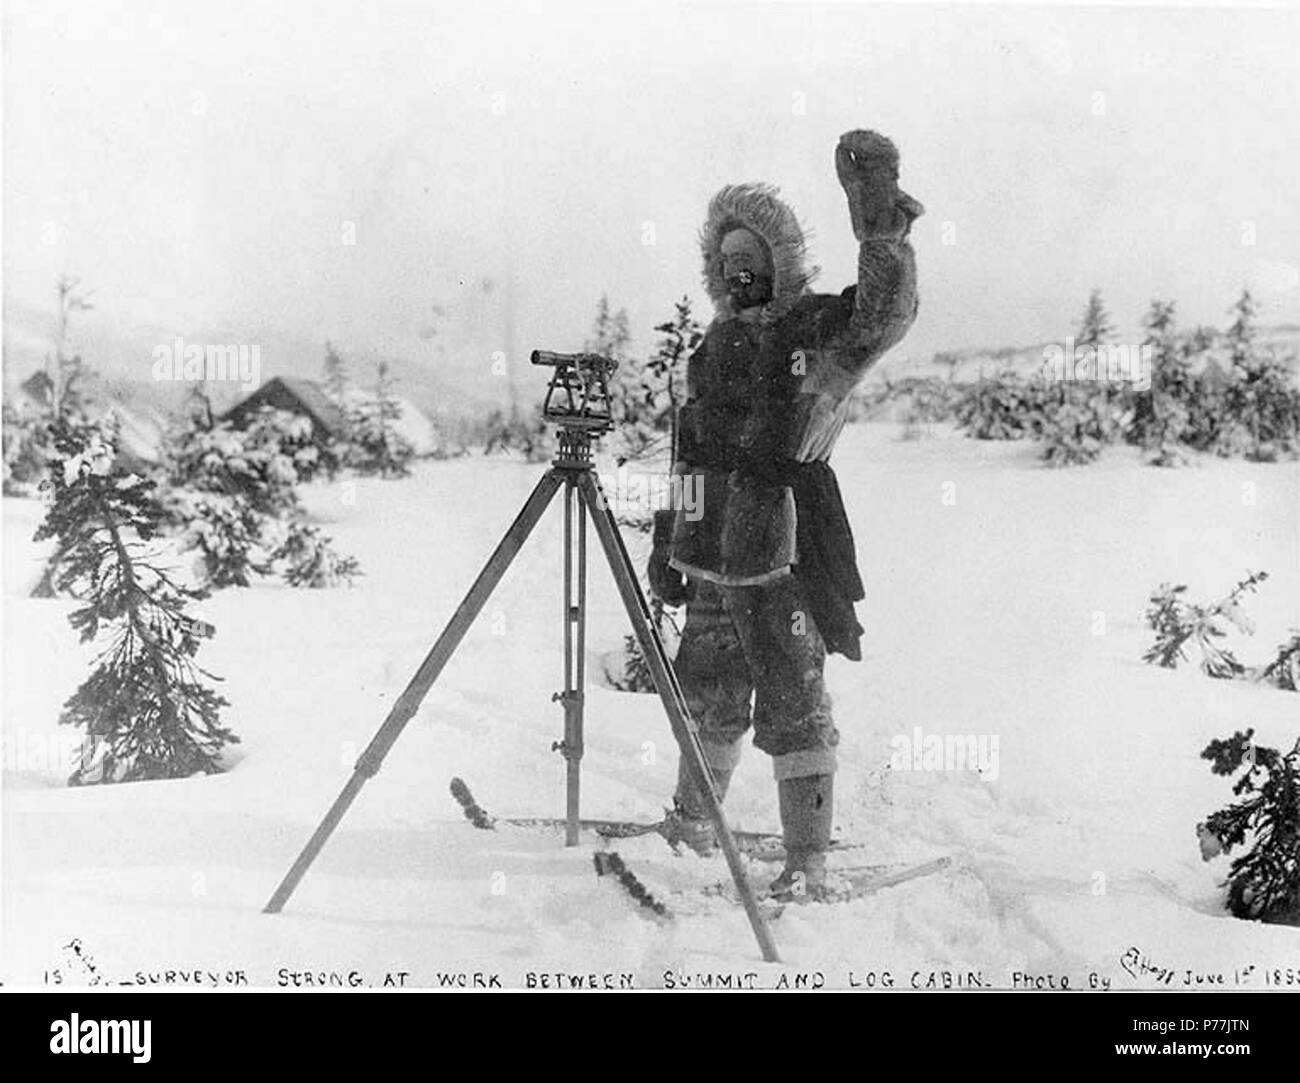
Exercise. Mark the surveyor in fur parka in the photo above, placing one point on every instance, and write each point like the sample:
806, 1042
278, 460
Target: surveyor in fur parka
769, 565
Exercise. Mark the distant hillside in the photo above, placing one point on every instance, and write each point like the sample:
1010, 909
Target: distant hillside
123, 359
969, 364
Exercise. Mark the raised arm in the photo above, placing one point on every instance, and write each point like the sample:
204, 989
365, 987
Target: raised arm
876, 313
839, 337
885, 301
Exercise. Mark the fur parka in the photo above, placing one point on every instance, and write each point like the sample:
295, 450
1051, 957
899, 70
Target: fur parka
767, 392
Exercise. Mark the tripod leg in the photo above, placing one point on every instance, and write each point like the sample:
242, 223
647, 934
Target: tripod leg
670, 693
575, 614
369, 762
580, 665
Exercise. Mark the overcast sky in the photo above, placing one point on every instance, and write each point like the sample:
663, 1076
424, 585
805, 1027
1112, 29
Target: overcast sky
198, 164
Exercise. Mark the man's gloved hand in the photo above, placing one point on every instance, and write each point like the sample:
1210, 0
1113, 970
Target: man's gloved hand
867, 165
666, 583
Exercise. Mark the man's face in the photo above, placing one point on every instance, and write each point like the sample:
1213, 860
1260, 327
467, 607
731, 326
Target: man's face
746, 269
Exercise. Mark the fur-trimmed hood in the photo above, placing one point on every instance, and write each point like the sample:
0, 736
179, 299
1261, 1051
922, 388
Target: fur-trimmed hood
758, 208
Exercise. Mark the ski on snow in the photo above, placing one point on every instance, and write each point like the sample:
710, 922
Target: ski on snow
851, 882
757, 845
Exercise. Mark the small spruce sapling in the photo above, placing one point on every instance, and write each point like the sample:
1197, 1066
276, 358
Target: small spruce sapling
645, 400
1261, 402
998, 407
1284, 671
27, 446
1177, 622
376, 445
146, 709
636, 676
646, 395
337, 380
308, 559
1264, 882
1162, 416
234, 493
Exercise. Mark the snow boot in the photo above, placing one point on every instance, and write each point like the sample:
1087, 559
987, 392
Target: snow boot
806, 814
688, 823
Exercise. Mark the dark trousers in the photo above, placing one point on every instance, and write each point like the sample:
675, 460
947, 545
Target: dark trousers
757, 643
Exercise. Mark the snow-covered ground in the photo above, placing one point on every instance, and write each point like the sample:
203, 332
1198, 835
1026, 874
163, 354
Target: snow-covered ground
1005, 601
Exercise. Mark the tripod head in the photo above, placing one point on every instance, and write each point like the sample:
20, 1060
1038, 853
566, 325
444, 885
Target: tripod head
577, 401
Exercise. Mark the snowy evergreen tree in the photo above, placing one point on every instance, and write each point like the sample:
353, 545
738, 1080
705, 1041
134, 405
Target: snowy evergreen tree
309, 560
376, 446
1242, 331
610, 333
645, 401
234, 494
1284, 671
1161, 417
1095, 326
1076, 419
647, 395
1262, 404
222, 487
337, 381
1178, 622
146, 709
28, 446
1264, 882
338, 386
227, 534
610, 337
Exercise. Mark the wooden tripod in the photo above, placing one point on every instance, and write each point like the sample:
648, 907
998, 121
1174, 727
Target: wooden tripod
573, 470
